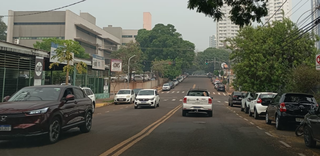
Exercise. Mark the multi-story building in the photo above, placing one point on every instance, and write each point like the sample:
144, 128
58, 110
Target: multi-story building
274, 5
225, 28
125, 35
315, 7
26, 30
147, 24
212, 41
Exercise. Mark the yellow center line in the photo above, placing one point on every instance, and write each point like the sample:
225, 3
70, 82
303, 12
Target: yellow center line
139, 135
194, 86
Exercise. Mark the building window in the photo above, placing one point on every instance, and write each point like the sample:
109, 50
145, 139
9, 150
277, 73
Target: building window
39, 23
36, 38
87, 32
126, 36
123, 43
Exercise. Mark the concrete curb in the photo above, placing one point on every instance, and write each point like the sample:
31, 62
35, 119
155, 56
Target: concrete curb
103, 104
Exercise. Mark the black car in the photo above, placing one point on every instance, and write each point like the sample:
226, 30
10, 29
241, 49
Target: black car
221, 87
45, 110
311, 127
235, 98
289, 108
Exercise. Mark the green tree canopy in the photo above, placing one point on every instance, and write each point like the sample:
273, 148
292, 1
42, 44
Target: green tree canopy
243, 12
163, 42
220, 55
264, 56
45, 45
3, 30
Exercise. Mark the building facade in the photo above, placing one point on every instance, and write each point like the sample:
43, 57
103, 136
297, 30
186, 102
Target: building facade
125, 35
225, 28
274, 5
147, 21
27, 30
212, 41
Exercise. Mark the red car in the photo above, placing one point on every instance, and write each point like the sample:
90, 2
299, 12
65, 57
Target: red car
45, 111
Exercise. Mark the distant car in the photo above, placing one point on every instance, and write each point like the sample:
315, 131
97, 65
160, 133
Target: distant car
124, 96
221, 87
197, 100
148, 98
45, 110
175, 82
171, 84
166, 86
138, 78
91, 95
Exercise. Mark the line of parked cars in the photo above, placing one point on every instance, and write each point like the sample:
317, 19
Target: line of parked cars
171, 84
218, 85
286, 109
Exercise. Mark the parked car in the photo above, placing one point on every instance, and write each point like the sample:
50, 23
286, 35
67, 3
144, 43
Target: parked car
146, 77
311, 127
124, 96
148, 98
221, 87
197, 100
136, 91
91, 95
166, 86
138, 78
171, 84
235, 98
289, 108
245, 101
46, 111
175, 82
256, 104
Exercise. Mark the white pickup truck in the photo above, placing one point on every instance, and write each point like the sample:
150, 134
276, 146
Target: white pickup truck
197, 100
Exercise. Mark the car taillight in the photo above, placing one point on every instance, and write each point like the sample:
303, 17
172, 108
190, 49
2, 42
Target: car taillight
234, 96
210, 101
259, 100
185, 100
283, 107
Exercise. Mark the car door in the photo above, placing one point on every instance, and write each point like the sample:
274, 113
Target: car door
68, 109
253, 101
83, 102
273, 107
157, 97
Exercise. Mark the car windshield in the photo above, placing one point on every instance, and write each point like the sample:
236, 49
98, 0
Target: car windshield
146, 92
198, 93
37, 94
262, 96
166, 84
136, 90
124, 92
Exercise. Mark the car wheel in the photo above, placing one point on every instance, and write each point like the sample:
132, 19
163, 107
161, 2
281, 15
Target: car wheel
255, 115
250, 114
242, 109
184, 113
136, 107
246, 109
308, 139
231, 104
210, 114
86, 127
54, 130
279, 124
268, 121
158, 104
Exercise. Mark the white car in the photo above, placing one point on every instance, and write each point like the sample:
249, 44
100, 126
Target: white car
255, 106
197, 100
147, 97
91, 95
245, 101
124, 96
166, 86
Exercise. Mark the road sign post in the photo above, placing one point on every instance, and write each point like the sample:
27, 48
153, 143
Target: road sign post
318, 62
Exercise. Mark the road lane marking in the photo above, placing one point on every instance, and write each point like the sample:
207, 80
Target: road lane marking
269, 134
218, 101
300, 154
180, 100
224, 94
172, 91
168, 92
241, 117
162, 92
213, 93
251, 123
182, 91
218, 93
178, 92
226, 101
285, 144
165, 99
237, 114
126, 144
245, 119
194, 86
259, 127
106, 111
173, 99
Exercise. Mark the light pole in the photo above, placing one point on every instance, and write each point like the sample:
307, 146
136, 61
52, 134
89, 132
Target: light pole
129, 71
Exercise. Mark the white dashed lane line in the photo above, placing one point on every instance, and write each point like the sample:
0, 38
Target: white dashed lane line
162, 92
218, 101
165, 99
259, 127
168, 92
173, 99
245, 119
251, 123
285, 144
269, 134
177, 91
182, 91
300, 154
218, 93
180, 100
172, 91
213, 93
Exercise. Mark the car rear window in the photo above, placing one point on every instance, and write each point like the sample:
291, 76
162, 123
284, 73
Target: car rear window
262, 96
299, 98
237, 93
198, 93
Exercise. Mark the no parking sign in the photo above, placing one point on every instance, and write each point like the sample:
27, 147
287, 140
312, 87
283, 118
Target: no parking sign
318, 62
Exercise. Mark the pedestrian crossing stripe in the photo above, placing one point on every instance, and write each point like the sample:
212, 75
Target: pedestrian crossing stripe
177, 91
180, 100
182, 91
213, 92
172, 91
173, 99
219, 93
168, 92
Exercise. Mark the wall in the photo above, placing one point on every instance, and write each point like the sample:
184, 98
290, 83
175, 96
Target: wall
133, 85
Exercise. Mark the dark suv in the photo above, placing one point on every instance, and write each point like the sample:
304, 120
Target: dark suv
235, 98
45, 111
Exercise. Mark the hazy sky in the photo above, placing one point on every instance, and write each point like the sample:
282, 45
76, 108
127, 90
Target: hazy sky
195, 27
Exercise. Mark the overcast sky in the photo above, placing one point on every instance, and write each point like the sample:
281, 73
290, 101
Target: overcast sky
128, 14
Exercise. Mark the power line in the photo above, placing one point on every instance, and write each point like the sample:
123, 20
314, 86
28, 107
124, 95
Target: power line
276, 12
297, 5
40, 12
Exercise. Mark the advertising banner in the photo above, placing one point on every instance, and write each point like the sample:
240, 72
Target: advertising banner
98, 62
116, 65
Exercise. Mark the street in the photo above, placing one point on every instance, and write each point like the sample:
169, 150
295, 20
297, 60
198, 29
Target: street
123, 130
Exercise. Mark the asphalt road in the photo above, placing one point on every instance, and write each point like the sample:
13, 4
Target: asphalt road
123, 130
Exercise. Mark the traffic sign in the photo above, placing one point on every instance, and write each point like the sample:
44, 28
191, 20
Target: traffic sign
318, 62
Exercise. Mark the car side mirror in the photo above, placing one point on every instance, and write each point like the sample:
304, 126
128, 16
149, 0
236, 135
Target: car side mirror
69, 97
6, 99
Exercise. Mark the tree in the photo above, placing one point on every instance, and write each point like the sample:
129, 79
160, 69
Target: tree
64, 53
3, 30
163, 42
263, 57
243, 12
125, 52
45, 45
221, 55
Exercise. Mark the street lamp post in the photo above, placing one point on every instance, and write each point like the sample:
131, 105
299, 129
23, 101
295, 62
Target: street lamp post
128, 82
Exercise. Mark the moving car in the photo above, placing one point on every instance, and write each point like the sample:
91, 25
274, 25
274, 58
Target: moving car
289, 108
166, 86
91, 95
124, 96
45, 111
197, 100
147, 97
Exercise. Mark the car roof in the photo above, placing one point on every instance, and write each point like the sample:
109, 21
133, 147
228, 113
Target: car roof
124, 89
86, 88
298, 94
52, 86
266, 93
198, 89
149, 89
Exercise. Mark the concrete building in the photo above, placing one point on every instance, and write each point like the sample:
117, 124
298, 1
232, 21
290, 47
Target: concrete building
225, 28
147, 21
315, 6
212, 41
125, 35
274, 5
26, 30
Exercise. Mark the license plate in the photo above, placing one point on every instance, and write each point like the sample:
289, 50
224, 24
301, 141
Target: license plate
143, 102
197, 107
299, 119
5, 127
